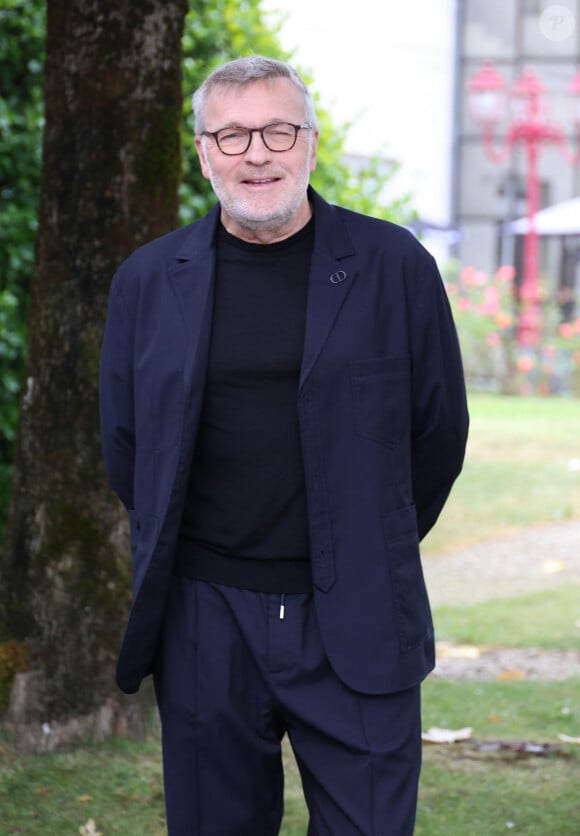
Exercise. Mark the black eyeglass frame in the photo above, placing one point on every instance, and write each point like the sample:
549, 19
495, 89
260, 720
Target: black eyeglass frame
251, 131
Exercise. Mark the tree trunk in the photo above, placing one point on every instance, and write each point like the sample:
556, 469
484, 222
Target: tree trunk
111, 170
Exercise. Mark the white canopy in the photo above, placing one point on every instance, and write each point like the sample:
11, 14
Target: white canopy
559, 219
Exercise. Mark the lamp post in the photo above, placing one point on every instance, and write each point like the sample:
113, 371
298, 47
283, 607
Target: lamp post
530, 127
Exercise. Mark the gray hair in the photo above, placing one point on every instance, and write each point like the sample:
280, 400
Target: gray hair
243, 71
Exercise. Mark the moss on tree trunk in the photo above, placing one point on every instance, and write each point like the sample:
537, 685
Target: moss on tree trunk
111, 170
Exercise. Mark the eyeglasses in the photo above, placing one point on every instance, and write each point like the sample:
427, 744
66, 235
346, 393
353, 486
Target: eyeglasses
279, 136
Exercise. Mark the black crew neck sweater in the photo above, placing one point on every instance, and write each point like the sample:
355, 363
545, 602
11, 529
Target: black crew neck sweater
245, 519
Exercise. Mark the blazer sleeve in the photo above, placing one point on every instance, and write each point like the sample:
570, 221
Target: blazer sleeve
439, 404
116, 397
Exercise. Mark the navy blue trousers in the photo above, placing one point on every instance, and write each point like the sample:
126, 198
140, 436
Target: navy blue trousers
231, 678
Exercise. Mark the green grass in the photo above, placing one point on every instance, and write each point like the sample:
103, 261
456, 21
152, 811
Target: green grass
466, 793
537, 711
516, 471
465, 790
118, 784
547, 619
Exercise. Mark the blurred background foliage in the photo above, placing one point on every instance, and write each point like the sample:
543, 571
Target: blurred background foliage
22, 34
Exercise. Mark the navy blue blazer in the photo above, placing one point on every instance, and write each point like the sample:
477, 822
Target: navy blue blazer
383, 419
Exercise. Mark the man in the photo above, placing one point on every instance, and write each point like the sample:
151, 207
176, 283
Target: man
283, 415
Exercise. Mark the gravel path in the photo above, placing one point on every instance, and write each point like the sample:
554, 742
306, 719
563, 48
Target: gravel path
539, 558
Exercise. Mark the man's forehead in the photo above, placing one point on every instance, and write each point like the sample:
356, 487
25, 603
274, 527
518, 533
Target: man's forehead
264, 91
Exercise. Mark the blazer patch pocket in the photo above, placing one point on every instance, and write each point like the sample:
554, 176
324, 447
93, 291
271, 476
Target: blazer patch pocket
144, 529
409, 591
381, 400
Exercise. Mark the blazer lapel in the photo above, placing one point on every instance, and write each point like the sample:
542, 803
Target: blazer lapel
192, 282
332, 274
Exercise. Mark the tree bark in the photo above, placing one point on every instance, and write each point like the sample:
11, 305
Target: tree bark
110, 177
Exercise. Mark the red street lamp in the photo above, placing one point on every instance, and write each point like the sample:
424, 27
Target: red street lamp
529, 127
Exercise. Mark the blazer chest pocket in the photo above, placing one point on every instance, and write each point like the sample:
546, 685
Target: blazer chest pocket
381, 400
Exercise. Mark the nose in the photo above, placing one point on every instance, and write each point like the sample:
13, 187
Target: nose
257, 152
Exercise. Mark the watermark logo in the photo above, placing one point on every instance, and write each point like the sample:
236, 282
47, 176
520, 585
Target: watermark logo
557, 23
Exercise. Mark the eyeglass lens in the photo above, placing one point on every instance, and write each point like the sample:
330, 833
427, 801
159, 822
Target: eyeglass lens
280, 136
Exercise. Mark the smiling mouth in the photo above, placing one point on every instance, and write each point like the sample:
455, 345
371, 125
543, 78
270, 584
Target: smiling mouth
260, 181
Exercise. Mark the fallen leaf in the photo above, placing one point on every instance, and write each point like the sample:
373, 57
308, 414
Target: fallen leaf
567, 739
89, 829
437, 735
510, 675
446, 650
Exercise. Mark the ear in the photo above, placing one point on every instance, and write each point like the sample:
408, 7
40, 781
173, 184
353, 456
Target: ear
201, 153
314, 150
